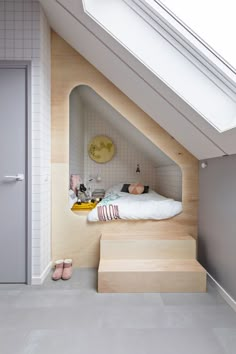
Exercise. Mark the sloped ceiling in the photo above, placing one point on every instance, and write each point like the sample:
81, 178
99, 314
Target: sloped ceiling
119, 123
109, 55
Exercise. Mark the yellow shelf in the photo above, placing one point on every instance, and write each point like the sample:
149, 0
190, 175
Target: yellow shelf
84, 206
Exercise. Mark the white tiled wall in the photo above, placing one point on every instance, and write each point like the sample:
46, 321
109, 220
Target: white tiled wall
45, 141
25, 35
169, 180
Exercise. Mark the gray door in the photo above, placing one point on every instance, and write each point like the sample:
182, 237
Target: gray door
12, 175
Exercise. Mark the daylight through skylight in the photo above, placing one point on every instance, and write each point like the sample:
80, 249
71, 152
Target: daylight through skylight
211, 20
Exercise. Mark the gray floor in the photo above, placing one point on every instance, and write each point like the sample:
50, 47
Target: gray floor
72, 318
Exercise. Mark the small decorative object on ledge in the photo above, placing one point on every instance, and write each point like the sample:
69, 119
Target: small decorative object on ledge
101, 149
98, 194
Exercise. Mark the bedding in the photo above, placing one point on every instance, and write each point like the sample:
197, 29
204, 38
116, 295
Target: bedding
125, 188
121, 205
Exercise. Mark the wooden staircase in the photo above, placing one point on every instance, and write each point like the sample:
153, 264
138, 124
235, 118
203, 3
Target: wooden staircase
149, 263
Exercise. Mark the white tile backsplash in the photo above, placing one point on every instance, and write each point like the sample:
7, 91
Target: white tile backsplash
25, 35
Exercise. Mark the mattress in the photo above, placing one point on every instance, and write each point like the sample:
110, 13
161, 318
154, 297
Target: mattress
120, 205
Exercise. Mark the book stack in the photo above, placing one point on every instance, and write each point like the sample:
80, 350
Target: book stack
98, 194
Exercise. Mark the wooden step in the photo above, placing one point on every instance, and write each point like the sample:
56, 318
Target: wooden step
151, 275
149, 246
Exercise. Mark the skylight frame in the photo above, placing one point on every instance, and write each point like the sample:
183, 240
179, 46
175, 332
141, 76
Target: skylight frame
199, 53
191, 41
195, 35
191, 58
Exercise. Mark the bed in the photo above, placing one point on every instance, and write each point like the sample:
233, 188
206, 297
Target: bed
122, 205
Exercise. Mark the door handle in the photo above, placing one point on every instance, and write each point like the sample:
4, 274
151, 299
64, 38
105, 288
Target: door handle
19, 177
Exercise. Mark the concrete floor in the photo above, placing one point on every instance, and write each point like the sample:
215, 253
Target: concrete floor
70, 317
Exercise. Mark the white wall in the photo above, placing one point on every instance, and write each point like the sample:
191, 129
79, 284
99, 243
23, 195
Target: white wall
25, 35
76, 134
169, 181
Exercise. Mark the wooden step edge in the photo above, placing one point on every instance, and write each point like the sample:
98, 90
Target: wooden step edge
142, 237
150, 265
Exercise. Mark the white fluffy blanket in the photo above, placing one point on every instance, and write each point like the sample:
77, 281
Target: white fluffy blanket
120, 205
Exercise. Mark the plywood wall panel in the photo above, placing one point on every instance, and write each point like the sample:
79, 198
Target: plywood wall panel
72, 236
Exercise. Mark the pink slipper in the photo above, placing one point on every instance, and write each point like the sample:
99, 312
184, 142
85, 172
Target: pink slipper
67, 270
57, 274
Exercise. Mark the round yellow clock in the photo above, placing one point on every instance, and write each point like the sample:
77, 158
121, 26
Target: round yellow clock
101, 149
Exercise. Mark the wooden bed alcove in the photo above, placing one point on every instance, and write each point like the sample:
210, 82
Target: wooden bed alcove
72, 236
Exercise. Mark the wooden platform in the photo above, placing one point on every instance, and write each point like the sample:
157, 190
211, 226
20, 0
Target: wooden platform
151, 275
72, 235
149, 263
147, 246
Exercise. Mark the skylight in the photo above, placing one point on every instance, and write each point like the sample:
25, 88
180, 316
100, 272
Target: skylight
169, 52
207, 26
211, 21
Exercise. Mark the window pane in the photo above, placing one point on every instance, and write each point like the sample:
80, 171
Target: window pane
212, 20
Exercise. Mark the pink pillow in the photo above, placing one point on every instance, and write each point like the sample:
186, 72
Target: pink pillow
136, 188
75, 180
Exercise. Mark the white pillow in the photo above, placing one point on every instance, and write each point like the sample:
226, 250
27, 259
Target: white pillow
114, 189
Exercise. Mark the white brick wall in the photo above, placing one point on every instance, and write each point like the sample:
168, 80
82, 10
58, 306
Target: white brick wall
25, 35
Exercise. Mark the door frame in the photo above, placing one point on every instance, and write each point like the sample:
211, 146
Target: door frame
25, 64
